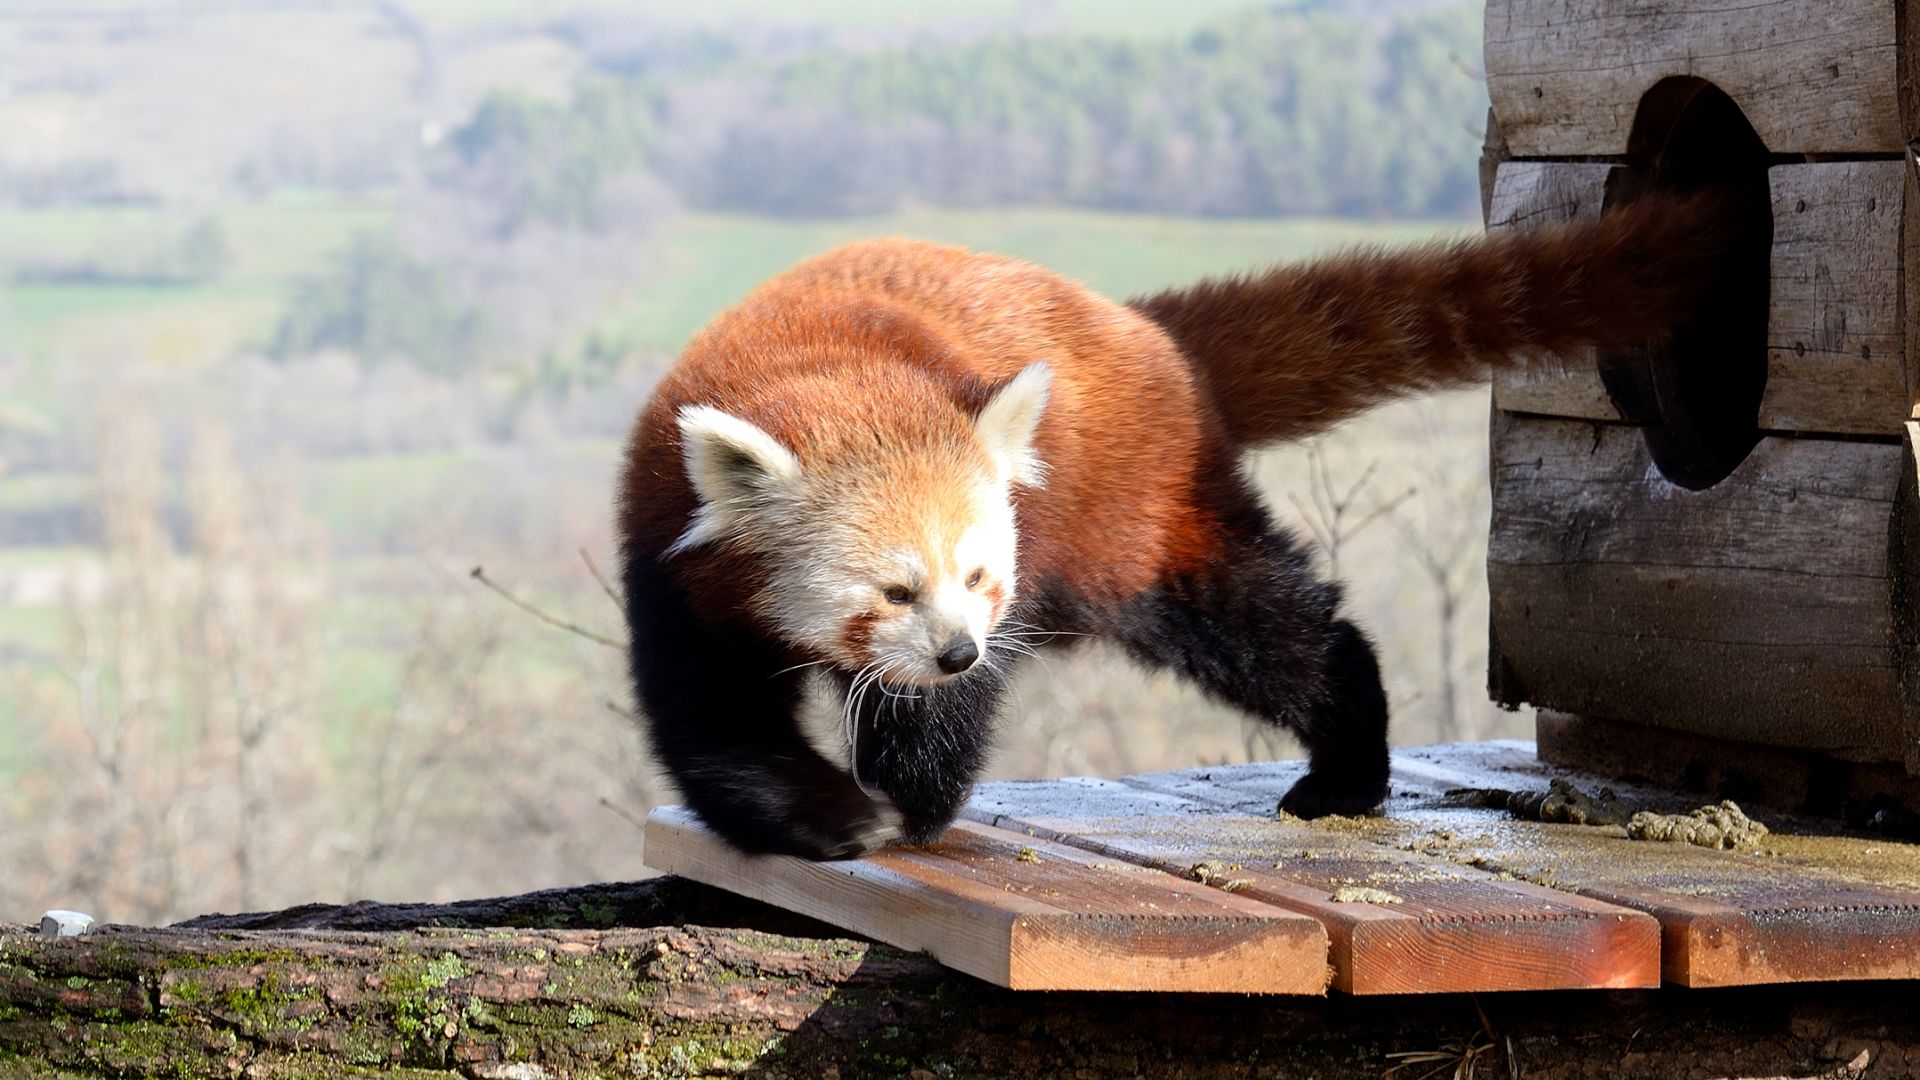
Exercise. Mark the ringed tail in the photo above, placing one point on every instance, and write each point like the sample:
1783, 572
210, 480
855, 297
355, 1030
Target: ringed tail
1295, 350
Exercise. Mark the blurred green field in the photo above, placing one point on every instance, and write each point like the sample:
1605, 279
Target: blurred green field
693, 267
269, 246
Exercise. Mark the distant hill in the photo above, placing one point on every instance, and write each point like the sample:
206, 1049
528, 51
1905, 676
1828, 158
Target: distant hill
836, 106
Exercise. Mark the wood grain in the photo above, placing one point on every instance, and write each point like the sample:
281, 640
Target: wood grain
1453, 928
1758, 610
1802, 908
1835, 338
1813, 76
1910, 273
1835, 342
1058, 919
1727, 918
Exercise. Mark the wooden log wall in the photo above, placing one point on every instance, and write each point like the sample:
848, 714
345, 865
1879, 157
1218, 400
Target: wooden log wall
1836, 356
1813, 76
1774, 607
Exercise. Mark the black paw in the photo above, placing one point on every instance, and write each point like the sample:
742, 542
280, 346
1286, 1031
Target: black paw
924, 828
843, 824
809, 809
1318, 794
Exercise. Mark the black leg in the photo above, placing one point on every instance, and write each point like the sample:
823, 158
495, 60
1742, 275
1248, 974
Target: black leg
924, 746
1256, 628
722, 720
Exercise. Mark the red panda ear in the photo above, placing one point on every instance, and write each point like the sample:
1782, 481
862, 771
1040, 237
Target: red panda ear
1007, 424
735, 468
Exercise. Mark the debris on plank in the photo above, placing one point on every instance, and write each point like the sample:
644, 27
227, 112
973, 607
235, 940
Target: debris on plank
1561, 802
1363, 894
1722, 825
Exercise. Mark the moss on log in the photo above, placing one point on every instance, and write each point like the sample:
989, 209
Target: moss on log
623, 981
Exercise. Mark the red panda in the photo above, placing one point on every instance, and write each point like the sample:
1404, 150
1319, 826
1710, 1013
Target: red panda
910, 465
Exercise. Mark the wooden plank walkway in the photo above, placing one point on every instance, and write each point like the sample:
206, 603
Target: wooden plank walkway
1398, 922
1187, 881
1021, 912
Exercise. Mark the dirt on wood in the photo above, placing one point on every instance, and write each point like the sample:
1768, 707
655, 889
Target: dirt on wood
1722, 826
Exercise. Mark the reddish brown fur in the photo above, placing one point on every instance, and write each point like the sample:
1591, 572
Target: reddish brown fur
858, 633
872, 346
928, 331
1298, 349
997, 595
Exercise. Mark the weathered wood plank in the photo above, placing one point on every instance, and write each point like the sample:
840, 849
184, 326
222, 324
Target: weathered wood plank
1835, 340
1813, 76
1798, 909
1758, 609
1428, 927
1021, 912
1834, 333
1903, 558
1910, 274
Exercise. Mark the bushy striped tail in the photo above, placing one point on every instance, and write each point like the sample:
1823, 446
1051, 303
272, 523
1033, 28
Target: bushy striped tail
1293, 351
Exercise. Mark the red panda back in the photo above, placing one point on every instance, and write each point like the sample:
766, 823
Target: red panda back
1122, 436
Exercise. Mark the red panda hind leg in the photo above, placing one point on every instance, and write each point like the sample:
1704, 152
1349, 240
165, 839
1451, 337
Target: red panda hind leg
723, 720
1257, 628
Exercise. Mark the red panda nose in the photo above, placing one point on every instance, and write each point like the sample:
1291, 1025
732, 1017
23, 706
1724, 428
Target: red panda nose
960, 655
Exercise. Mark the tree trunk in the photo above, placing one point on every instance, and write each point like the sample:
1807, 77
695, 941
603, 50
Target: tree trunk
624, 980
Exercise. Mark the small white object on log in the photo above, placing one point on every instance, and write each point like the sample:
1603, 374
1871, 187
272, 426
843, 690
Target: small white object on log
60, 923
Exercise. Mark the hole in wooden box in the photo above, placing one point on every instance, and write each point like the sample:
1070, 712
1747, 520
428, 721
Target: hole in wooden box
1698, 393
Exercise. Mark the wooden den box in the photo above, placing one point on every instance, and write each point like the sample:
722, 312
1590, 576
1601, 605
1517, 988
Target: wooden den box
1718, 538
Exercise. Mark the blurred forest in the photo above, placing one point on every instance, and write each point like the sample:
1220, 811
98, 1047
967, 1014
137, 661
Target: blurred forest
310, 308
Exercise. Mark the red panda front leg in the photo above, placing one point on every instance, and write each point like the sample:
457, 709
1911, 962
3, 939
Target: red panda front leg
1256, 627
924, 746
722, 718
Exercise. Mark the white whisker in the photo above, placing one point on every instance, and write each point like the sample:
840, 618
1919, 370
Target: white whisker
797, 667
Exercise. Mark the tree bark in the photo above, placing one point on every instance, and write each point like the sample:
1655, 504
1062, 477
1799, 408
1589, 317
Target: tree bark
625, 980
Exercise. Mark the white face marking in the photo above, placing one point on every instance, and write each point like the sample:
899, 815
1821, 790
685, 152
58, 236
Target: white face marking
832, 597
885, 566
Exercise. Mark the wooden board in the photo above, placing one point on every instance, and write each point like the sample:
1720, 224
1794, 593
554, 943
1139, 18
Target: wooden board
1065, 920
1910, 270
1813, 76
1728, 919
1796, 911
1835, 343
1486, 900
1447, 928
1759, 609
1835, 339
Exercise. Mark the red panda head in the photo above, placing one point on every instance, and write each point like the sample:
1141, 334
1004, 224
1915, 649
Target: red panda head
886, 529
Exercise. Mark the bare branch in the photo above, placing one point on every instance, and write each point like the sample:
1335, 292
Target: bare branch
621, 811
605, 585
479, 574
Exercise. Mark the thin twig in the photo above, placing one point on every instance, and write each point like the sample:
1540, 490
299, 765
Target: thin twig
605, 585
479, 574
624, 815
1383, 509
